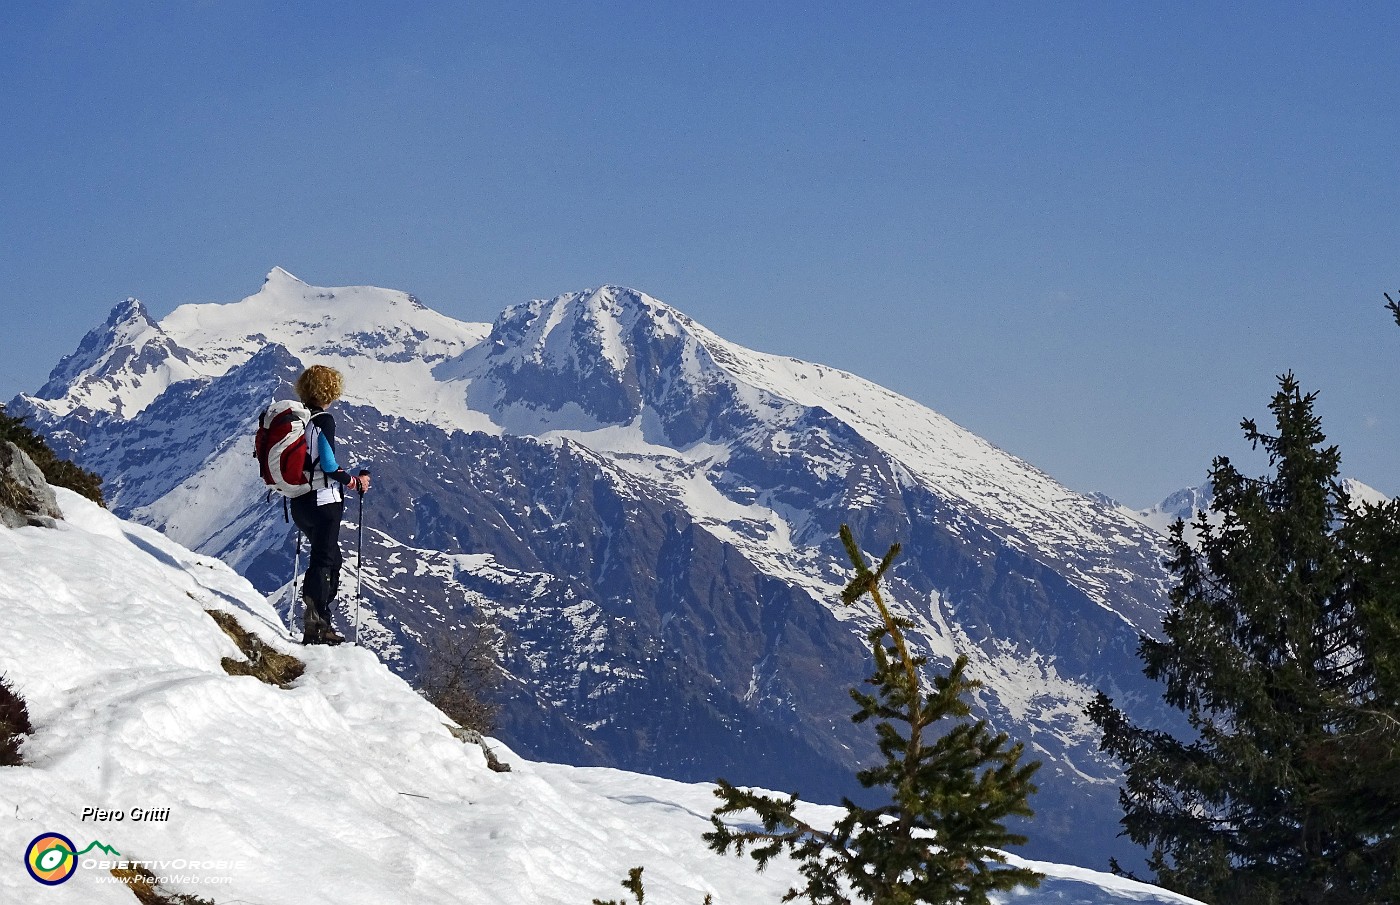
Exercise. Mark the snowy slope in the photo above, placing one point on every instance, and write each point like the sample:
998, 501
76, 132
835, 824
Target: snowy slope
345, 789
1038, 513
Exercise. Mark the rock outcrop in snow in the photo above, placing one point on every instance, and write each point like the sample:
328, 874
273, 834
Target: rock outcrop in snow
25, 498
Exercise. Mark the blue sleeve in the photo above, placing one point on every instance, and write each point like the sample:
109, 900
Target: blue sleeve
326, 454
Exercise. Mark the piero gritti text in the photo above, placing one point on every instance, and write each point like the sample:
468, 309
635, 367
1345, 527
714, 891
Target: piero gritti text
135, 815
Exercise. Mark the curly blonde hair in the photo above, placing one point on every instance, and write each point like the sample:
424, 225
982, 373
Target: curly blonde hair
319, 386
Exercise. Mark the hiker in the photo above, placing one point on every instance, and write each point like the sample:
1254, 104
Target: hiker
319, 512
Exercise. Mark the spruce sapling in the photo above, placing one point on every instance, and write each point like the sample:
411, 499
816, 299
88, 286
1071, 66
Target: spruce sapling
937, 839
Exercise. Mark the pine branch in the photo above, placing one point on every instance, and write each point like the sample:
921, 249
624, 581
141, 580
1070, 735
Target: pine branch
867, 582
633, 884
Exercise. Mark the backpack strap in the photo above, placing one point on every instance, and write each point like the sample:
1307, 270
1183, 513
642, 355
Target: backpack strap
314, 455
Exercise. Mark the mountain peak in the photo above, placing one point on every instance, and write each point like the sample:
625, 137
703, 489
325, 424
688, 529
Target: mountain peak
562, 334
128, 327
315, 322
596, 357
280, 275
126, 308
128, 324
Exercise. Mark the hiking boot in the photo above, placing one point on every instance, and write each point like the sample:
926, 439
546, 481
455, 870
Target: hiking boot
329, 635
312, 622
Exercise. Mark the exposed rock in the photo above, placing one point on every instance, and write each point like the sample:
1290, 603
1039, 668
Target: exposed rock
25, 498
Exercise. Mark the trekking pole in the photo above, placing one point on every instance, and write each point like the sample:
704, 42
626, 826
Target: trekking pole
360, 555
292, 605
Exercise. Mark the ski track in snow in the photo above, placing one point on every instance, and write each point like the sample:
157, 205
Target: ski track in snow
345, 789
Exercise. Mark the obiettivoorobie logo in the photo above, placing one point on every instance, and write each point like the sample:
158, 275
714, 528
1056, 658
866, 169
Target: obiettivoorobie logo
52, 858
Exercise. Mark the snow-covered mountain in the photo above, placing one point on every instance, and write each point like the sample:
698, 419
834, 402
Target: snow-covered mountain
1186, 505
651, 514
344, 788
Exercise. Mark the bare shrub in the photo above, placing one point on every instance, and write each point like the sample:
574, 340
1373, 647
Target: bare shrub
461, 672
14, 724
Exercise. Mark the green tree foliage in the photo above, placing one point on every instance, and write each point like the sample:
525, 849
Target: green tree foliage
633, 884
936, 840
1282, 649
58, 472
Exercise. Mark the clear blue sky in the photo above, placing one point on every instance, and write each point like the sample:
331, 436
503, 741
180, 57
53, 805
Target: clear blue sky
1091, 232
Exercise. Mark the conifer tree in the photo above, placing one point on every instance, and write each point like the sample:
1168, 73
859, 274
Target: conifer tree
1281, 650
936, 840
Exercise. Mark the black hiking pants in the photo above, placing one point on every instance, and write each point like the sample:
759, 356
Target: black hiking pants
321, 525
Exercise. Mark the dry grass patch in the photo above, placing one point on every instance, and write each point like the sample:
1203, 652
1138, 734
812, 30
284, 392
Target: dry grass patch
145, 887
263, 663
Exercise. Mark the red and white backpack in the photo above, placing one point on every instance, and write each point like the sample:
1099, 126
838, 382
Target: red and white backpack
280, 448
